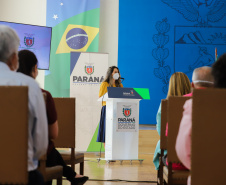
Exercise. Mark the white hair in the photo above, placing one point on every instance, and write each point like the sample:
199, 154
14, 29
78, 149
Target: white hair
9, 42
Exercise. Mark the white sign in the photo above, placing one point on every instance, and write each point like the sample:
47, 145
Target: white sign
87, 72
127, 117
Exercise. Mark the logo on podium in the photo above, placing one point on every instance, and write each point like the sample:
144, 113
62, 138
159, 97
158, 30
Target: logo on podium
126, 112
126, 117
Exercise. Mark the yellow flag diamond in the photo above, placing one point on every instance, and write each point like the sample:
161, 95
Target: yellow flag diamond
76, 38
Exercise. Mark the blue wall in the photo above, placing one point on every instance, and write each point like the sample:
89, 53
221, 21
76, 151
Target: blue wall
160, 37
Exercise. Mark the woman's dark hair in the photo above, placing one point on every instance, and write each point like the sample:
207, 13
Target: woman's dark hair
27, 62
219, 72
109, 78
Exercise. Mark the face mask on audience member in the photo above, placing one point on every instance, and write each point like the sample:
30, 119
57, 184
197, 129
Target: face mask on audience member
116, 76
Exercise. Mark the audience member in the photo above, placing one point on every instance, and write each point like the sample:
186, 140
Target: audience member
179, 85
28, 65
202, 78
218, 72
38, 131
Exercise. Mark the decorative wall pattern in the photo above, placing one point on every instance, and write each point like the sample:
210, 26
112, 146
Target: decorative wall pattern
201, 12
160, 37
194, 46
161, 53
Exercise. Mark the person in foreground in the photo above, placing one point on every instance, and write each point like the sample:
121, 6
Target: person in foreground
38, 131
112, 79
179, 85
28, 66
202, 78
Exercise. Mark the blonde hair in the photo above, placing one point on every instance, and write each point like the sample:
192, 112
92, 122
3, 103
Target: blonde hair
179, 85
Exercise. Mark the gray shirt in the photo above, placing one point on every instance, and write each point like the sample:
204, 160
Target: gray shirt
38, 129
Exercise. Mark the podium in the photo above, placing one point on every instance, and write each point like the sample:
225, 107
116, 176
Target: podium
122, 122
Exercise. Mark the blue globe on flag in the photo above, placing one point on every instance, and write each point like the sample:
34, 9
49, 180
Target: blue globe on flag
76, 38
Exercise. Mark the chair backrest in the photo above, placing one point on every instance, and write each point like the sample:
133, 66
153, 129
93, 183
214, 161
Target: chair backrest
65, 108
175, 111
14, 135
208, 137
163, 138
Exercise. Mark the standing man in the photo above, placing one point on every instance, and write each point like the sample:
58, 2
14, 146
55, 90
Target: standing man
38, 131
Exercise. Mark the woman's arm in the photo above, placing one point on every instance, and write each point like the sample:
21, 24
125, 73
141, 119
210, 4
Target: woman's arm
53, 130
158, 120
103, 88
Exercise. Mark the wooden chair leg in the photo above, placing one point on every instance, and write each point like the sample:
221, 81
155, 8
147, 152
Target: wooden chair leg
82, 168
160, 171
73, 165
170, 172
160, 177
59, 181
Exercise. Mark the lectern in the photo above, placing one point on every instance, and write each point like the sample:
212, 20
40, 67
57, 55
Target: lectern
122, 122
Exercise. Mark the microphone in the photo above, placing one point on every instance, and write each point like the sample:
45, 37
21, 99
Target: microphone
122, 78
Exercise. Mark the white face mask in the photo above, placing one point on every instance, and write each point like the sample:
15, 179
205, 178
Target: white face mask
116, 76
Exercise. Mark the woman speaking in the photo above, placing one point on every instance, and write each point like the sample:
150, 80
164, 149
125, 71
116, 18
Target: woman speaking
112, 79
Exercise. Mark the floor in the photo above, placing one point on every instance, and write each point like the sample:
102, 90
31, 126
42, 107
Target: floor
147, 127
114, 173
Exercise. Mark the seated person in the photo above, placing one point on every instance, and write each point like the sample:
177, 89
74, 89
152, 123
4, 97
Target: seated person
28, 65
179, 85
183, 142
38, 131
201, 78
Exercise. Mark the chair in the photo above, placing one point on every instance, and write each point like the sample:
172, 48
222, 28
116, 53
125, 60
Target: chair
208, 137
14, 135
50, 173
174, 115
66, 139
163, 140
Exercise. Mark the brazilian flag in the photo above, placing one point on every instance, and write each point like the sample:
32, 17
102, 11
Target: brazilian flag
75, 27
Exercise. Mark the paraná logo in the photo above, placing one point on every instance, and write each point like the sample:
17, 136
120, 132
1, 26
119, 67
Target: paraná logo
126, 112
29, 41
89, 70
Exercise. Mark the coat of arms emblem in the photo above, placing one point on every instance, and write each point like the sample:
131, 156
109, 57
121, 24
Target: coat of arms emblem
29, 41
126, 112
89, 70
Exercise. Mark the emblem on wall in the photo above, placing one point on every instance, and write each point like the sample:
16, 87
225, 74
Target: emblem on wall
89, 70
194, 43
202, 12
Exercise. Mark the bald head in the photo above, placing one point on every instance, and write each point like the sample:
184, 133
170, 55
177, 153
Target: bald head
202, 77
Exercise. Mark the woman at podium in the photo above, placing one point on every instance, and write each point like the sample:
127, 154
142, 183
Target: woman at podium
112, 79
